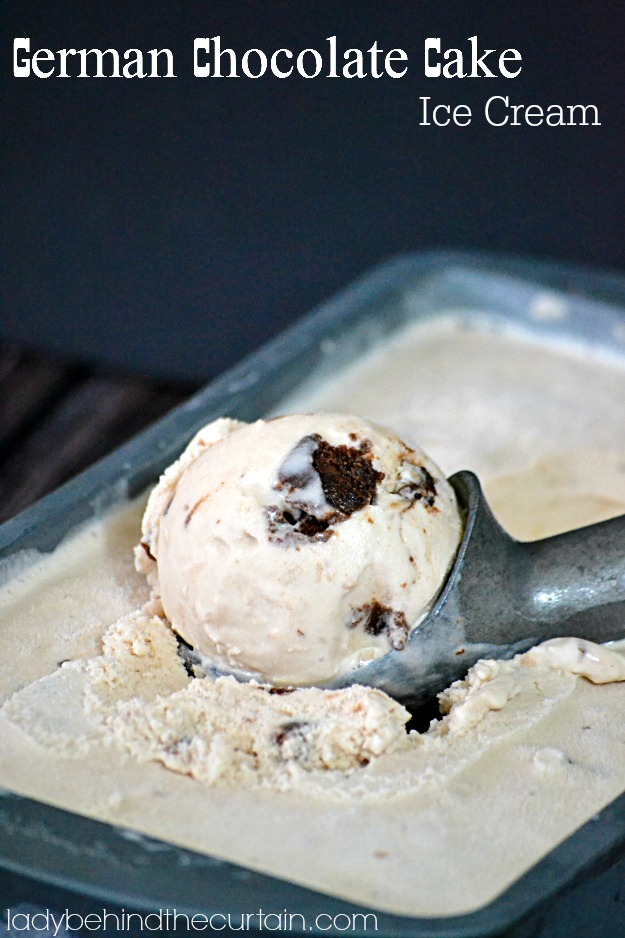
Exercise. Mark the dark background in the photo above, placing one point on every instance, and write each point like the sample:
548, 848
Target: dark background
169, 226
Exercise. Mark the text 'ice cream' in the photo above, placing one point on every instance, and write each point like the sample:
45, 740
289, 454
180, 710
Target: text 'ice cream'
299, 548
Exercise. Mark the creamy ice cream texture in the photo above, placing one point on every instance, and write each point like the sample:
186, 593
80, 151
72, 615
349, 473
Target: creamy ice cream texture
100, 715
298, 548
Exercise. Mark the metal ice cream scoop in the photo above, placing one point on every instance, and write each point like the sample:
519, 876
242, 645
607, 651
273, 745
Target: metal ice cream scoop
502, 596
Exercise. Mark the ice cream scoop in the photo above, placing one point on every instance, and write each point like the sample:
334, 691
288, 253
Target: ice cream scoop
298, 549
321, 549
503, 596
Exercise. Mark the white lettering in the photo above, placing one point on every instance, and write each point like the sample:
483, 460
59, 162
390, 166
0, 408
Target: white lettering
99, 57
478, 64
373, 55
69, 916
512, 55
534, 115
584, 108
332, 72
395, 55
245, 63
201, 45
454, 59
218, 55
274, 63
134, 64
42, 55
300, 63
154, 57
353, 67
204, 71
63, 54
487, 113
555, 116
515, 108
441, 115
13, 923
432, 45
462, 115
21, 67
60, 61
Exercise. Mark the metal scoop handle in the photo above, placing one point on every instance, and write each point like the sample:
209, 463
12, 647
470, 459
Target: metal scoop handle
502, 596
571, 584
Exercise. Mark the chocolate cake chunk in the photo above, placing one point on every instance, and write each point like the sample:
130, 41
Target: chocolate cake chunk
376, 619
321, 485
290, 526
347, 476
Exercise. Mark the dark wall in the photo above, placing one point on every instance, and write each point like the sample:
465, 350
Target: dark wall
171, 225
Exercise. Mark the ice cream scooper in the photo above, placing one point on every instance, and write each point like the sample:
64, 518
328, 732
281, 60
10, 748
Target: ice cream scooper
502, 596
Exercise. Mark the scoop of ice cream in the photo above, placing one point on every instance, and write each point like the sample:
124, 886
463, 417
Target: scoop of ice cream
299, 548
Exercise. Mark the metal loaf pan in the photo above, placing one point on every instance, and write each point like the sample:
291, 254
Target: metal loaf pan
62, 860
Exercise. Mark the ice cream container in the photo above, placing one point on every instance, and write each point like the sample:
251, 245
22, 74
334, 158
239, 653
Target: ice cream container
54, 858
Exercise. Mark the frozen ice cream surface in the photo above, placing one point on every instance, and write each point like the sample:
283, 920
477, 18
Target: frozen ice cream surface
223, 732
298, 548
99, 715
